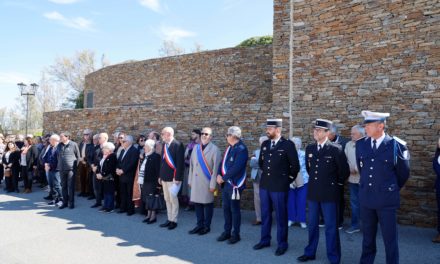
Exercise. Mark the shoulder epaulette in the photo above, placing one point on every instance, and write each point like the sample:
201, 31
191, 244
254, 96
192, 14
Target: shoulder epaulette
400, 141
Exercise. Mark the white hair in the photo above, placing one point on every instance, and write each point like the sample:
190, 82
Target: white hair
168, 130
235, 131
109, 146
55, 137
150, 143
360, 128
129, 138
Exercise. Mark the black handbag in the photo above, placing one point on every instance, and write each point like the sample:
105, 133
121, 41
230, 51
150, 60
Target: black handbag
156, 202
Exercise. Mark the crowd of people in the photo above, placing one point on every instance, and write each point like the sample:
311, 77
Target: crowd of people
303, 187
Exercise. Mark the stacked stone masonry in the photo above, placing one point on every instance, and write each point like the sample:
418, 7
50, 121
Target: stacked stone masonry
347, 56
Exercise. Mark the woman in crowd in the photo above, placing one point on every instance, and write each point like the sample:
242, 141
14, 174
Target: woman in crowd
436, 165
11, 164
106, 171
148, 178
28, 162
298, 190
2, 150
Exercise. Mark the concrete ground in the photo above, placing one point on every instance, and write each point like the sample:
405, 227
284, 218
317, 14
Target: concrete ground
33, 232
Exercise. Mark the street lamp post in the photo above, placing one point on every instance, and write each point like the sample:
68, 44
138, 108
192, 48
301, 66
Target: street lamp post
27, 91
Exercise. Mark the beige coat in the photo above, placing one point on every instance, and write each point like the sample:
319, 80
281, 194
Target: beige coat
196, 178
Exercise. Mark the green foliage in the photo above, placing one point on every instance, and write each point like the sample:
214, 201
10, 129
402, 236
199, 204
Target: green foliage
256, 41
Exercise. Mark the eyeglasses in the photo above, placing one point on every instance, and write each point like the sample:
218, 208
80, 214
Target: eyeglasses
228, 135
204, 134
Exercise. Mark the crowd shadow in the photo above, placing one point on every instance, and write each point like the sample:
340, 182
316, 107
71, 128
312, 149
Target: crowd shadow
155, 241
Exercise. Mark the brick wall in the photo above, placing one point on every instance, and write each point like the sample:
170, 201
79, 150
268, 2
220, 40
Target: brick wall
377, 55
227, 76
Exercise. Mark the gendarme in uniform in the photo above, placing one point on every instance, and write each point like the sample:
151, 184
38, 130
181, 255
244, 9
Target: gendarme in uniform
383, 163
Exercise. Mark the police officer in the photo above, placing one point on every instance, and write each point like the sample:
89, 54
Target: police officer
383, 163
279, 163
328, 168
232, 180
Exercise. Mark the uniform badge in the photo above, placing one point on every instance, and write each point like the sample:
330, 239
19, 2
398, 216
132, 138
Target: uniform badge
405, 155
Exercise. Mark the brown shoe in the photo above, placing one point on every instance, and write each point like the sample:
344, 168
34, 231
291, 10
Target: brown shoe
256, 222
436, 239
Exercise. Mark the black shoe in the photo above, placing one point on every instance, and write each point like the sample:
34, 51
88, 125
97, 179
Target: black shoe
102, 209
49, 198
172, 225
166, 224
81, 194
151, 221
91, 198
109, 211
121, 211
223, 237
96, 205
280, 251
260, 246
146, 220
204, 231
305, 258
234, 239
63, 206
72, 206
130, 213
195, 230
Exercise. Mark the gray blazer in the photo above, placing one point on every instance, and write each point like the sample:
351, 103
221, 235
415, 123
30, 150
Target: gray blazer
196, 178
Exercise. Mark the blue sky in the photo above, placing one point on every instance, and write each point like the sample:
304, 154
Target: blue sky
35, 32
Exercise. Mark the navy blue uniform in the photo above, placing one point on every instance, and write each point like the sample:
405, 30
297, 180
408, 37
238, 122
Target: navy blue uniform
327, 168
383, 173
280, 167
235, 163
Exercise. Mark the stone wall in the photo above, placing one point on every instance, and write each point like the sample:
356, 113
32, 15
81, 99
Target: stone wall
377, 55
227, 76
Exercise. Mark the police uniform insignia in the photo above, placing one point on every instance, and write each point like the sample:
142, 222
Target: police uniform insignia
264, 149
231, 159
405, 154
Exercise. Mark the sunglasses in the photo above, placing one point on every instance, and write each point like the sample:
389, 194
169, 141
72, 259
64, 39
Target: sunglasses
204, 134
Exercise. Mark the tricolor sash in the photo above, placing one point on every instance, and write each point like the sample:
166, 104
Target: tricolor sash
203, 162
169, 160
235, 188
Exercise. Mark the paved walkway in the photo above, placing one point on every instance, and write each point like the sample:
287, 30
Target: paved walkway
32, 232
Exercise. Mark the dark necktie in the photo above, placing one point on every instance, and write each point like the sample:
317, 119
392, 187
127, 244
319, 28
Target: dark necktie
121, 156
319, 148
273, 145
374, 146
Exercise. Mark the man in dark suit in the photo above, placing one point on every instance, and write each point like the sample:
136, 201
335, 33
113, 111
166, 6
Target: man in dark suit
328, 168
83, 164
126, 170
171, 174
280, 165
383, 163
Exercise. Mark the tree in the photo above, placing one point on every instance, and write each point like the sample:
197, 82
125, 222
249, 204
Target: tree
70, 73
256, 41
170, 48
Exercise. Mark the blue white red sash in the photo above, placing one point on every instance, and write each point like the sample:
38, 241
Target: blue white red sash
235, 188
168, 159
203, 162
